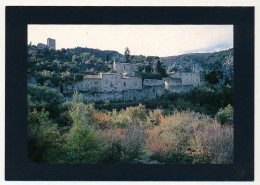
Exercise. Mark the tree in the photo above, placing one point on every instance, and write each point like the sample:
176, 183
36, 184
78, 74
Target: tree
107, 58
160, 69
43, 97
44, 141
127, 55
148, 68
213, 76
83, 141
61, 87
226, 115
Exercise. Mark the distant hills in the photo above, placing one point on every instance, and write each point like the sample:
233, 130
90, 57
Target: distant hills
197, 61
97, 52
193, 62
182, 63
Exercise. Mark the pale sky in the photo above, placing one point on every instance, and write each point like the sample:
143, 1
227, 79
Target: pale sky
148, 40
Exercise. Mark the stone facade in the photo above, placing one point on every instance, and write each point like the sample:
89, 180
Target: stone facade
169, 82
106, 82
127, 69
51, 43
126, 95
123, 86
122, 80
194, 79
153, 82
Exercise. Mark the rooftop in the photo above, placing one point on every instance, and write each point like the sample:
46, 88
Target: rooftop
129, 77
111, 74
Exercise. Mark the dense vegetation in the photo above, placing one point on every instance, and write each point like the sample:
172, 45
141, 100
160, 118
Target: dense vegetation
193, 127
80, 133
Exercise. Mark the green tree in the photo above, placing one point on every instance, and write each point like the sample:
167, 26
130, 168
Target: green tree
43, 97
61, 87
107, 58
160, 69
83, 141
127, 54
148, 68
213, 76
44, 140
225, 115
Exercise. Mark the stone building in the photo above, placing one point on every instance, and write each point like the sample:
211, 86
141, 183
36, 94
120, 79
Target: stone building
106, 82
51, 43
153, 82
170, 82
124, 80
127, 69
194, 79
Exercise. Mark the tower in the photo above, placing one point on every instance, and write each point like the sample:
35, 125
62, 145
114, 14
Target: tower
114, 65
51, 43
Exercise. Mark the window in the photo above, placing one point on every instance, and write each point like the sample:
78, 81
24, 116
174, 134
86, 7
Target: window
95, 83
124, 83
135, 83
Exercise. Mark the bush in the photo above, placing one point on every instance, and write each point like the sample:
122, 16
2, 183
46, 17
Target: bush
130, 115
43, 97
134, 141
115, 149
197, 136
102, 120
225, 115
78, 77
154, 118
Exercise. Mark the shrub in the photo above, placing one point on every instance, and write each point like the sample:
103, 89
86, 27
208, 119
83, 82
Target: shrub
130, 115
134, 141
225, 115
154, 118
115, 149
43, 97
102, 120
136, 113
197, 136
155, 143
78, 77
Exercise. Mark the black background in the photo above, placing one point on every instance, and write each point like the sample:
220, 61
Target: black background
17, 19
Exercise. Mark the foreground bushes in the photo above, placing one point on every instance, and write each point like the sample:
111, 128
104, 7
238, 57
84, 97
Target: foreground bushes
133, 135
197, 138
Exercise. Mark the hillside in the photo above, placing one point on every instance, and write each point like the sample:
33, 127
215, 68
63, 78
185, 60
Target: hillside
199, 61
64, 64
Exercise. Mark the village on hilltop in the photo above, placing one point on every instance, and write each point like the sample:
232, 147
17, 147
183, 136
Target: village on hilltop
123, 84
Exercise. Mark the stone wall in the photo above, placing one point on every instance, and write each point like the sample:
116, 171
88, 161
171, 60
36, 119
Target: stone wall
180, 88
111, 82
150, 93
122, 67
169, 82
129, 83
189, 78
106, 82
153, 82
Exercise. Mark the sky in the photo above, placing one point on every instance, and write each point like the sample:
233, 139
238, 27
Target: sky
148, 40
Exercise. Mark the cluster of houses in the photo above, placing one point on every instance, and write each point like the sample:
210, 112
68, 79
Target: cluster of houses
124, 78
